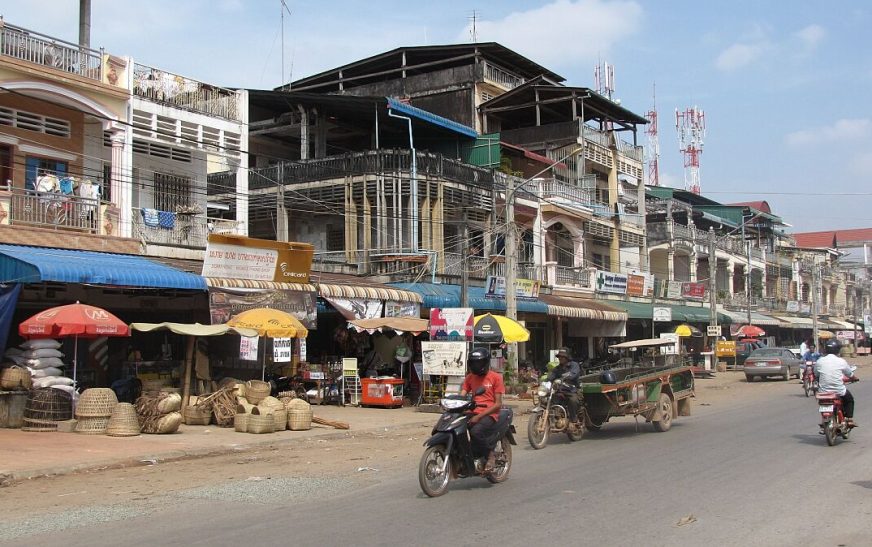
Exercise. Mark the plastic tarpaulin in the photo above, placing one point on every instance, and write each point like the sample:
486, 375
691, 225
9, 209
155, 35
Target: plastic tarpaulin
8, 300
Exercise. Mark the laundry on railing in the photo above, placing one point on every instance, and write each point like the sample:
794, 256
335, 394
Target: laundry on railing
150, 217
166, 220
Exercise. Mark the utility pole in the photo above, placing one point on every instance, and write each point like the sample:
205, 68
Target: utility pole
713, 270
511, 265
814, 302
464, 270
747, 268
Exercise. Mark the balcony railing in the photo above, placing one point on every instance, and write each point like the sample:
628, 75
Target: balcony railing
41, 49
556, 191
53, 210
500, 77
182, 231
180, 92
568, 276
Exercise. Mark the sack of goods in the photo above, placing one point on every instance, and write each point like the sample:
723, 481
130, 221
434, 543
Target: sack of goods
43, 362
158, 412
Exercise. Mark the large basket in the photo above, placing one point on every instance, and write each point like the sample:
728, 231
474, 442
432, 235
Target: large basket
297, 404
281, 419
45, 407
197, 415
124, 422
97, 402
299, 420
261, 423
240, 422
256, 391
92, 425
270, 404
15, 378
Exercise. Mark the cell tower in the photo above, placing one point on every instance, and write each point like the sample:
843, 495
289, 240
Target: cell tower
604, 79
653, 144
690, 125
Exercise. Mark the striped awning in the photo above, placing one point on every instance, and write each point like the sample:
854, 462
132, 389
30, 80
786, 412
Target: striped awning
337, 290
230, 283
581, 308
741, 317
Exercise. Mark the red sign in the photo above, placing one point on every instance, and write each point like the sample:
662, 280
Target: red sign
451, 324
693, 290
635, 285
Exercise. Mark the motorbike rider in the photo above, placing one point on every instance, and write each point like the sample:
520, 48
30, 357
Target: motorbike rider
483, 425
829, 370
568, 372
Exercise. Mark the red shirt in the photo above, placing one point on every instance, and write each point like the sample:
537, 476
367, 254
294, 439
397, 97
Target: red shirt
493, 384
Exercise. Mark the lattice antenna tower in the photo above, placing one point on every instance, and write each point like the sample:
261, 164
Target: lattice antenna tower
653, 143
473, 33
690, 125
604, 79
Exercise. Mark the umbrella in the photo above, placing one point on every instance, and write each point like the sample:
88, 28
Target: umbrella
750, 331
825, 334
494, 329
78, 320
269, 323
686, 330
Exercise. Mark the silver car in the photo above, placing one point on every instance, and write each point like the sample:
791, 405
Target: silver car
772, 362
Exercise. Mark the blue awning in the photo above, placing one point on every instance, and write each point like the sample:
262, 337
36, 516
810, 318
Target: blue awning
429, 117
21, 264
448, 296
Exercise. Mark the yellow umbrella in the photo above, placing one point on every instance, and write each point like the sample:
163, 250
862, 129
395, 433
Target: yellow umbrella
825, 334
687, 330
495, 329
269, 323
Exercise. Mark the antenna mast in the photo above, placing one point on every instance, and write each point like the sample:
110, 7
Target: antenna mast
604, 79
653, 143
690, 125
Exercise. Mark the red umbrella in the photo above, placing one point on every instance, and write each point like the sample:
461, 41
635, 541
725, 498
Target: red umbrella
750, 331
78, 320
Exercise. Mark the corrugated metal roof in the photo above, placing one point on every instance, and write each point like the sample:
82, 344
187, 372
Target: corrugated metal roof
22, 264
448, 296
834, 238
429, 117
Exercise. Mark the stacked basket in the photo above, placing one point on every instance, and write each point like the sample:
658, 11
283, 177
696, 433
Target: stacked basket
158, 412
299, 415
271, 405
45, 407
94, 409
124, 422
256, 391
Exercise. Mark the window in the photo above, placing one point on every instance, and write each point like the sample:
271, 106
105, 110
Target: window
171, 192
35, 166
335, 238
6, 165
34, 122
602, 262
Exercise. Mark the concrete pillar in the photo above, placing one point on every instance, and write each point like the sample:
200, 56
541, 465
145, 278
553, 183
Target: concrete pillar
122, 192
730, 272
670, 264
692, 265
304, 133
578, 251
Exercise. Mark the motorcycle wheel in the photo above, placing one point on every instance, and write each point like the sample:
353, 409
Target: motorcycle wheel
575, 431
593, 424
503, 453
830, 431
537, 431
806, 385
664, 410
433, 481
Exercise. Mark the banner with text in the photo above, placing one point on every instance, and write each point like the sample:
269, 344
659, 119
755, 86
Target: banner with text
444, 358
524, 288
281, 350
611, 282
694, 291
357, 308
451, 323
225, 303
248, 348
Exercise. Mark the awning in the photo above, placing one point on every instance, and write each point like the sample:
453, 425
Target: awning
194, 329
756, 318
22, 264
582, 308
231, 283
691, 314
398, 324
431, 118
794, 322
647, 342
845, 324
448, 296
361, 291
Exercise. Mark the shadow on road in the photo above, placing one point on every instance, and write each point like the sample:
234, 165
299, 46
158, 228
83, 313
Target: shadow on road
811, 439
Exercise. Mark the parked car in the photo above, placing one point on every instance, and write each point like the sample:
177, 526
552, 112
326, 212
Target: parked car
772, 362
744, 349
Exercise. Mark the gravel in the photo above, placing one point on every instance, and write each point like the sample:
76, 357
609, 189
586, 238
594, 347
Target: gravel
269, 491
64, 520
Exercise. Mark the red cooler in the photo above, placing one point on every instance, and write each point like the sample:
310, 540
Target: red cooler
386, 392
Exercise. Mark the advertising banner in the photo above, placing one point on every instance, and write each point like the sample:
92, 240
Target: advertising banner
225, 303
451, 323
239, 257
725, 348
635, 285
357, 308
402, 309
281, 350
611, 282
793, 306
673, 290
524, 288
248, 348
695, 291
444, 358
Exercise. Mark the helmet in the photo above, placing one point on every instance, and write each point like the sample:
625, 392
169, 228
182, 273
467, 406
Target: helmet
832, 347
608, 377
479, 361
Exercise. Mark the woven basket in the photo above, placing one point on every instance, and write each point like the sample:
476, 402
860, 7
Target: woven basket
297, 404
168, 423
240, 422
15, 378
300, 420
124, 422
96, 402
271, 403
92, 425
45, 407
243, 406
280, 416
197, 415
261, 423
256, 391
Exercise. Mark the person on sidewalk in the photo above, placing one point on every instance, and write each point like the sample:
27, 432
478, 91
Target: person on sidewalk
830, 370
483, 425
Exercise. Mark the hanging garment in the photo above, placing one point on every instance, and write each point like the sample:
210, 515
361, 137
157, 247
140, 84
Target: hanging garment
150, 217
47, 183
166, 220
66, 185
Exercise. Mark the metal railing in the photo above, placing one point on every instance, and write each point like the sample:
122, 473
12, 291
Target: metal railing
627, 149
182, 231
185, 93
554, 190
594, 135
572, 276
501, 77
53, 210
41, 49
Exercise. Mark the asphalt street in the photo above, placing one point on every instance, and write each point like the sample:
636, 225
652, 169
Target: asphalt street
755, 473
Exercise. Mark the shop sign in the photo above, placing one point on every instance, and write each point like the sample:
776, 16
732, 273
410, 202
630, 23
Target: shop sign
662, 315
248, 348
671, 349
693, 290
793, 306
713, 330
804, 307
302, 349
281, 350
640, 284
402, 309
444, 358
225, 303
849, 335
451, 323
673, 290
524, 288
357, 308
238, 257
611, 282
725, 348
349, 366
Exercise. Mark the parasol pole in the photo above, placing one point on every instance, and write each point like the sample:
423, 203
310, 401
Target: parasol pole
75, 357
189, 357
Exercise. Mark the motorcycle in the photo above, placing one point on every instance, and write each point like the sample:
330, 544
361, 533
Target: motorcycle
551, 417
449, 454
833, 422
809, 381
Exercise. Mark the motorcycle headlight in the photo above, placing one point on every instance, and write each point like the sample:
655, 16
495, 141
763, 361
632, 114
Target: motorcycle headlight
542, 393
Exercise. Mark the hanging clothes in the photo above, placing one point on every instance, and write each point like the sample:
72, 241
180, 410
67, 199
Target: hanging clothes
166, 220
47, 183
67, 185
150, 217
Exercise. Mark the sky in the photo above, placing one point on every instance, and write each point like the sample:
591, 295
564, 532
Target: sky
785, 86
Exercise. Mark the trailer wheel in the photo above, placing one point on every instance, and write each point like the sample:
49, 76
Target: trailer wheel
664, 412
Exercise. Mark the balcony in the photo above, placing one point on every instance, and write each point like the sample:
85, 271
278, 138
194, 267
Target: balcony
40, 49
190, 231
500, 77
565, 194
52, 210
568, 276
180, 92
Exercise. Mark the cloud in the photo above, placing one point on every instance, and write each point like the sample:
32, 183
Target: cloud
861, 165
842, 130
738, 55
592, 27
812, 35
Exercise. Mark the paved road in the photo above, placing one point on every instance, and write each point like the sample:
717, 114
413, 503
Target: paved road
755, 474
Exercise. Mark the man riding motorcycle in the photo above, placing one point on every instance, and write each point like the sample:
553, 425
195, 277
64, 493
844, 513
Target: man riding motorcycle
830, 370
483, 425
568, 372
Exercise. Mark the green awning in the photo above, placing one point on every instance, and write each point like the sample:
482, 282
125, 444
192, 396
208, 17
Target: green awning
680, 313
635, 310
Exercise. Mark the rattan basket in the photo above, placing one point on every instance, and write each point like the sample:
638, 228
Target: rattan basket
256, 391
240, 422
97, 402
261, 423
15, 378
270, 404
281, 419
92, 425
297, 404
45, 407
124, 422
299, 420
197, 415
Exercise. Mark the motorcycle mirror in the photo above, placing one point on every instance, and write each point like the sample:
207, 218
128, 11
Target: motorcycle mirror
480, 391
